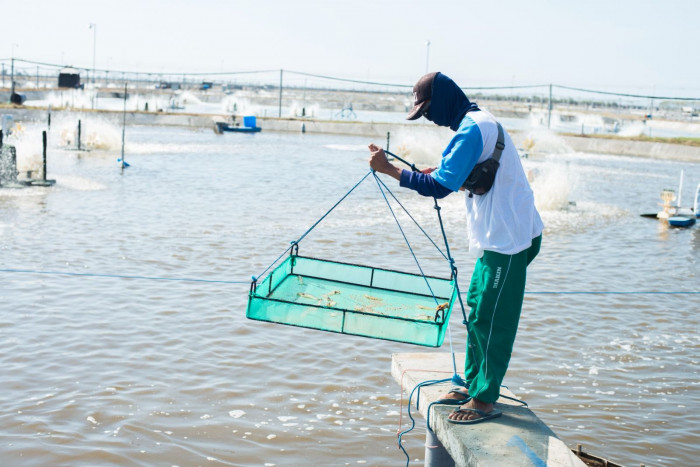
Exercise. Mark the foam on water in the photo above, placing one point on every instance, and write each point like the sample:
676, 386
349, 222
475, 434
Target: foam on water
543, 140
187, 98
95, 133
28, 143
421, 145
633, 129
69, 98
552, 182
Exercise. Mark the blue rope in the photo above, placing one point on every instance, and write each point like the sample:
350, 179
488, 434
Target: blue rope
413, 421
456, 379
607, 292
404, 237
120, 276
453, 269
414, 221
334, 206
313, 226
255, 278
430, 406
638, 292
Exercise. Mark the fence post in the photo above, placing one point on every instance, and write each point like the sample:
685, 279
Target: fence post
549, 116
279, 113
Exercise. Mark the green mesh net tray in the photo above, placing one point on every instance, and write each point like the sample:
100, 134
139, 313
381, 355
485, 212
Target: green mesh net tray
356, 300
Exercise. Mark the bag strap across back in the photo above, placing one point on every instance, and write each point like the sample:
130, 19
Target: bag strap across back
500, 144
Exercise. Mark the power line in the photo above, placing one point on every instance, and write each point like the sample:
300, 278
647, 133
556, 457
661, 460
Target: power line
103, 70
641, 96
354, 81
527, 86
347, 80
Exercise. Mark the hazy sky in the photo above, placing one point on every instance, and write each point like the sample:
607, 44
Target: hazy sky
640, 46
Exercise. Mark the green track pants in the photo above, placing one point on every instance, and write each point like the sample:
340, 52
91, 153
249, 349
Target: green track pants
495, 297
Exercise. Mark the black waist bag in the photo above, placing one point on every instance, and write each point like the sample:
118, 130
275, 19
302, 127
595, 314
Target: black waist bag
481, 179
482, 176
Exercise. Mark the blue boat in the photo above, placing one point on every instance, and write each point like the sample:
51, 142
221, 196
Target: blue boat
249, 126
681, 221
223, 126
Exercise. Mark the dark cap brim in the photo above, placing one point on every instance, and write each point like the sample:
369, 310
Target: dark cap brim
416, 111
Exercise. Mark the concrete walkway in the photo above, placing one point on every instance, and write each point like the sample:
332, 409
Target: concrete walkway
518, 438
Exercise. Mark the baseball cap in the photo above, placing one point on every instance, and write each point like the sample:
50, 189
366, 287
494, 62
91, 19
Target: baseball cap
422, 92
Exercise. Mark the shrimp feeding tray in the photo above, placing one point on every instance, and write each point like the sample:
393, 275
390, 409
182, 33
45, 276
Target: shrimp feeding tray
356, 300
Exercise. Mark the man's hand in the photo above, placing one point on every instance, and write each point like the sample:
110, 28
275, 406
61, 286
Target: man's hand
379, 162
377, 159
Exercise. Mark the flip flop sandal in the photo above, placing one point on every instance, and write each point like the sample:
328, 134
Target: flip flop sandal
484, 416
459, 391
466, 398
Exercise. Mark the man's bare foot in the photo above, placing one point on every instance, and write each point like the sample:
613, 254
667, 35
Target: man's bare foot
470, 415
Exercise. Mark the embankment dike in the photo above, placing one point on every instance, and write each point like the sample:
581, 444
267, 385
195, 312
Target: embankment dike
588, 143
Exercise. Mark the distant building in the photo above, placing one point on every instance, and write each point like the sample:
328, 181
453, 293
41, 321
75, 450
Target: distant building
69, 78
168, 85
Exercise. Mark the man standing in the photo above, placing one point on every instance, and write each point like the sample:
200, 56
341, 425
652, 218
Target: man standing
505, 232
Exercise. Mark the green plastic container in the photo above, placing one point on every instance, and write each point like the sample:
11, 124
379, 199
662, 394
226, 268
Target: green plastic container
353, 299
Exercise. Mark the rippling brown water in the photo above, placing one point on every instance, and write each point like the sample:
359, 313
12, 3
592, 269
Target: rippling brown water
132, 371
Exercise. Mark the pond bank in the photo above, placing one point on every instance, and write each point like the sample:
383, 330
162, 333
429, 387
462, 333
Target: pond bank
588, 144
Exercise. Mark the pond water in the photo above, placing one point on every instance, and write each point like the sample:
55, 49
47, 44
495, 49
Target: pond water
162, 367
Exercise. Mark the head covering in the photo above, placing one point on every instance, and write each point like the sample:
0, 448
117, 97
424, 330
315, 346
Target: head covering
422, 92
447, 102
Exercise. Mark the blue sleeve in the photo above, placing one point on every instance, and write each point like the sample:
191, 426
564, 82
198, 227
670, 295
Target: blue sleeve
424, 184
460, 156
